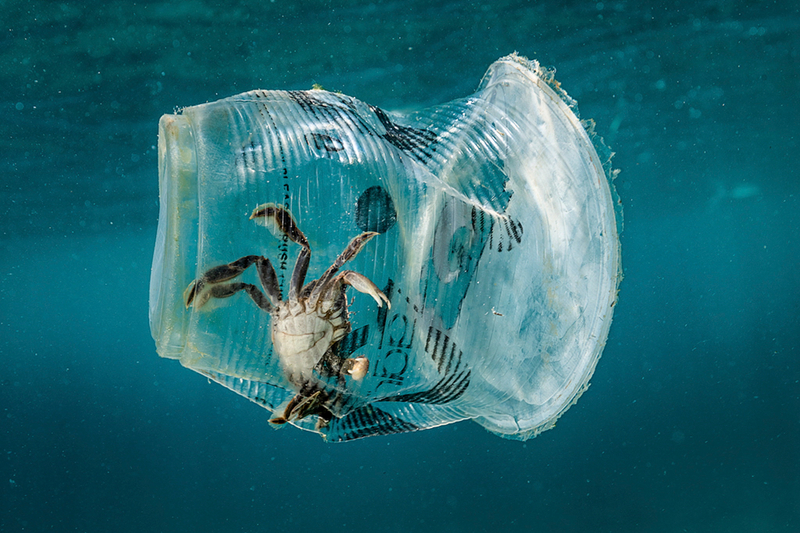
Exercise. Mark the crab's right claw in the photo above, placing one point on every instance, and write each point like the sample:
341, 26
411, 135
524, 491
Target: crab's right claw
365, 285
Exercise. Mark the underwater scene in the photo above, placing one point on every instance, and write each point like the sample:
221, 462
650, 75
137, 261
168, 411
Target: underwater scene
400, 266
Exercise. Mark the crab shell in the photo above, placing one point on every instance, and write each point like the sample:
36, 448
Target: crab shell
301, 336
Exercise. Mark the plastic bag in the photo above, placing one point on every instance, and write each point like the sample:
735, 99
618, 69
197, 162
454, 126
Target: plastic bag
488, 224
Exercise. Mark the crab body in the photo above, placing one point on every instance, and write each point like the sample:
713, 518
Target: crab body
305, 327
301, 336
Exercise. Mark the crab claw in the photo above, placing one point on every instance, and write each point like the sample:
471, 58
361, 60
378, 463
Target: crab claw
364, 285
357, 367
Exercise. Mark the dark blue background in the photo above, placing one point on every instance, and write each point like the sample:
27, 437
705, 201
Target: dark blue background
692, 422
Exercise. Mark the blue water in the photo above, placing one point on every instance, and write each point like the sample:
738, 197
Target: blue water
692, 422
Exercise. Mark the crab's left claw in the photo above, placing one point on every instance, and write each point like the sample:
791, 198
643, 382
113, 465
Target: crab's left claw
356, 367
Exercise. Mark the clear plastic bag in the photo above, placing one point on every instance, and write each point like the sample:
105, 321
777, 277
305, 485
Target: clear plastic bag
489, 224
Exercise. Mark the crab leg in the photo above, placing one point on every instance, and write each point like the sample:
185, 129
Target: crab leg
226, 290
266, 273
299, 273
350, 252
279, 218
217, 275
268, 279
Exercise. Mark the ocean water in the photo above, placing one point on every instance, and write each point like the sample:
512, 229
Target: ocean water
692, 422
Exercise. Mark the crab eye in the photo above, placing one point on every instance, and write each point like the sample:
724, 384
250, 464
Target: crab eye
485, 231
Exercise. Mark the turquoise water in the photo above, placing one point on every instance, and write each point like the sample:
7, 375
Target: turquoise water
692, 422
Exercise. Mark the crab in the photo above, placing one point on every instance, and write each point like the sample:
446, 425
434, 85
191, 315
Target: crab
307, 326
